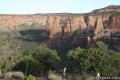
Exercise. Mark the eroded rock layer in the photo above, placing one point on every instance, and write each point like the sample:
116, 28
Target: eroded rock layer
63, 26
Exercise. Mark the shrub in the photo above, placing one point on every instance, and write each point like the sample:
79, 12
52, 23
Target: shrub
42, 59
88, 77
28, 65
94, 60
49, 58
14, 76
54, 76
30, 77
5, 65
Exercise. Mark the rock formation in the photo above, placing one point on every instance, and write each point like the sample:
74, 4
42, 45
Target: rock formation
64, 25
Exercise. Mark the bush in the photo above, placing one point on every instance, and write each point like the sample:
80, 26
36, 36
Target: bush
30, 77
5, 65
49, 58
14, 76
29, 65
94, 60
54, 76
43, 59
88, 77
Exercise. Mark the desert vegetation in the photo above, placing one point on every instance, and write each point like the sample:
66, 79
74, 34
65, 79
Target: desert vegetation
23, 56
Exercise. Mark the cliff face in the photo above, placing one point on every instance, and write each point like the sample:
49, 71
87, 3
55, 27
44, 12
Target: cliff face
13, 21
63, 26
98, 23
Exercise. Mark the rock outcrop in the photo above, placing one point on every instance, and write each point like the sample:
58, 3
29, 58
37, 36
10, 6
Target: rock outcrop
62, 26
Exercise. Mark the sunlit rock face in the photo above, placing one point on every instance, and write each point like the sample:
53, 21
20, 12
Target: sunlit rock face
63, 26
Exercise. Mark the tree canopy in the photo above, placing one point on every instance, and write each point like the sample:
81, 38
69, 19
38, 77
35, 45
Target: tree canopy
96, 60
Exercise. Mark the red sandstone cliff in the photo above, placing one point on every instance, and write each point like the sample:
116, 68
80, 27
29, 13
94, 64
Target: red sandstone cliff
98, 20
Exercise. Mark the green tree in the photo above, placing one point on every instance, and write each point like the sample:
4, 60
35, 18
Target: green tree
94, 60
42, 59
49, 58
5, 65
29, 65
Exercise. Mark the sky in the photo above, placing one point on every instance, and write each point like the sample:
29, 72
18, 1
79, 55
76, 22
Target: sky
52, 6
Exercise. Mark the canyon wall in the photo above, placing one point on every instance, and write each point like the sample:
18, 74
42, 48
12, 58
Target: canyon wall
12, 22
65, 25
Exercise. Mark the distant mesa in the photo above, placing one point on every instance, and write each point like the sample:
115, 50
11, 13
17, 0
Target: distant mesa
108, 9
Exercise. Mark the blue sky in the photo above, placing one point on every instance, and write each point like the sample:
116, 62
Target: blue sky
52, 6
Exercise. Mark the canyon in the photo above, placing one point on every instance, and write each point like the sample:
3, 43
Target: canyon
94, 25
